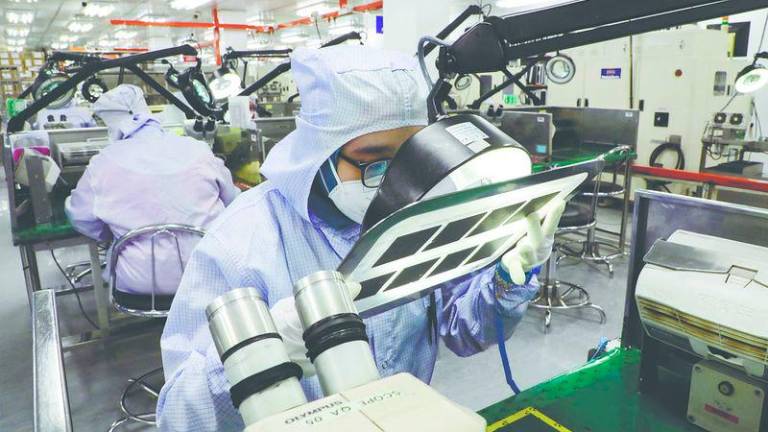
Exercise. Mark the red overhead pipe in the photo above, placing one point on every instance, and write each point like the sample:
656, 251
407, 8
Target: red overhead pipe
295, 23
705, 177
216, 35
372, 6
259, 29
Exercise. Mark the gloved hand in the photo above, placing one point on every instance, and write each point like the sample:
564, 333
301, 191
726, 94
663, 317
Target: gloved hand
535, 248
288, 324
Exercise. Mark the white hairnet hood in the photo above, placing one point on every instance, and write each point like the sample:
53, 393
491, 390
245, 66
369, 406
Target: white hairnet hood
346, 91
123, 110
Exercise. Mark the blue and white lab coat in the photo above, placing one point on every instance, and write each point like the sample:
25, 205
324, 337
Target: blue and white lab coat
269, 238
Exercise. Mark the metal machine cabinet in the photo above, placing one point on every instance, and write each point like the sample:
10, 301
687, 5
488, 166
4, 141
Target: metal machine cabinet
570, 94
601, 79
681, 78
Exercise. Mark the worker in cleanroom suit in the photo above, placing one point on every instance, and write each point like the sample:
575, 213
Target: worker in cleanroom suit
358, 105
147, 176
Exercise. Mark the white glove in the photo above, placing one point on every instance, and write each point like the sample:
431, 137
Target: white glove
288, 324
534, 249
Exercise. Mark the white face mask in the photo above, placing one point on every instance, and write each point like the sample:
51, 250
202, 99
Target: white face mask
352, 198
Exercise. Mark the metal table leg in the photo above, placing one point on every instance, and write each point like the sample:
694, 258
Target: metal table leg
625, 210
31, 273
707, 190
99, 290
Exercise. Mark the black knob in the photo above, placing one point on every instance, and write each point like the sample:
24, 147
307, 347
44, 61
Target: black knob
726, 388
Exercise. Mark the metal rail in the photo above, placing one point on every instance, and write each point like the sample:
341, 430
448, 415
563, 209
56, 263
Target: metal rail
285, 67
51, 402
89, 69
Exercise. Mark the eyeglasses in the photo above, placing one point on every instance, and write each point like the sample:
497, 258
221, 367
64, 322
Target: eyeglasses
372, 173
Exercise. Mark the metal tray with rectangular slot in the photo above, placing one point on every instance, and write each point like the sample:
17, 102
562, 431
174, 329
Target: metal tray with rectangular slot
413, 251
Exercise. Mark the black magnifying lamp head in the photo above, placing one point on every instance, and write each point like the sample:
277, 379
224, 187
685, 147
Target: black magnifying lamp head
455, 153
49, 82
197, 93
751, 79
560, 69
93, 88
226, 82
171, 75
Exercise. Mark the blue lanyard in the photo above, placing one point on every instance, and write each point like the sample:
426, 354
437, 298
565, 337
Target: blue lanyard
500, 340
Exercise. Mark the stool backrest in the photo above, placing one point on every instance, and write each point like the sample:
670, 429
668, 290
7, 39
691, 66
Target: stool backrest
620, 153
153, 232
617, 156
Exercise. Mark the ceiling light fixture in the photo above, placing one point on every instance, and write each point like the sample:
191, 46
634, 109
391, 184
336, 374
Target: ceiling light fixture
307, 9
59, 45
80, 27
68, 38
17, 31
125, 34
19, 17
98, 10
153, 18
24, 1
16, 42
188, 4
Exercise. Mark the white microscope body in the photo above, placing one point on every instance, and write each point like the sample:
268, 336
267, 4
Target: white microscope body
265, 384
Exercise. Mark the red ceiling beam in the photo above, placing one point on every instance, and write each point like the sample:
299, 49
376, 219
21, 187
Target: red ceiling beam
368, 7
189, 24
176, 24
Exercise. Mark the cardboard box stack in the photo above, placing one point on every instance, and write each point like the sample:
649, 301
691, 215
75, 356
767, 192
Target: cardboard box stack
18, 70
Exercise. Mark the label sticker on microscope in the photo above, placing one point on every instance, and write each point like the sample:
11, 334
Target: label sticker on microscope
466, 132
478, 146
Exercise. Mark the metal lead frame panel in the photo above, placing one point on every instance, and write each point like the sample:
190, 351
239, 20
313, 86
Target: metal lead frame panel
434, 241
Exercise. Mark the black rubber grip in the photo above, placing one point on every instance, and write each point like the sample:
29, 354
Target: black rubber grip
247, 342
262, 381
333, 331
